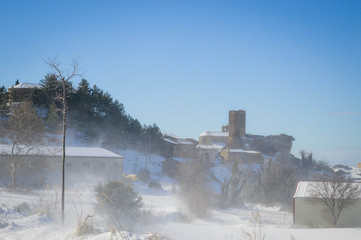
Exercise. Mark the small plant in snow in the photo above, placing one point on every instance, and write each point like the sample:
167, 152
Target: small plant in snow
23, 208
47, 204
257, 233
84, 226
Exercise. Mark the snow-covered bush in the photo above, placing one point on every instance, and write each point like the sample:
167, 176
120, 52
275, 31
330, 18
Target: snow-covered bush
119, 202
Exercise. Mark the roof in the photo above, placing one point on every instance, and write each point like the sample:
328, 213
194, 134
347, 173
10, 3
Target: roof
215, 134
27, 85
210, 147
177, 140
57, 151
242, 151
304, 188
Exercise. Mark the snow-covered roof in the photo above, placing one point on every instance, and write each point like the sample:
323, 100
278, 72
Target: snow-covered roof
170, 141
180, 159
27, 85
185, 142
210, 147
171, 135
176, 140
241, 151
304, 188
215, 134
57, 151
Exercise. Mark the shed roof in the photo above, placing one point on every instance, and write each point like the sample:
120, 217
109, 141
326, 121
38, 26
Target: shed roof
57, 151
304, 188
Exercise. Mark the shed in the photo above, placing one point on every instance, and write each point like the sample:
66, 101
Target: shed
89, 161
310, 211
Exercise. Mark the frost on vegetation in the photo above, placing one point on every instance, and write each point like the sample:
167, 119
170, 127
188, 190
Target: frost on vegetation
257, 232
84, 226
119, 203
47, 204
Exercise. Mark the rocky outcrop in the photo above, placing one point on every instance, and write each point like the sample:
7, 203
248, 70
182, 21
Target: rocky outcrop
278, 146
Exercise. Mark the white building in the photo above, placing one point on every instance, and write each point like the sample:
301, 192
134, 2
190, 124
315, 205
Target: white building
310, 211
40, 160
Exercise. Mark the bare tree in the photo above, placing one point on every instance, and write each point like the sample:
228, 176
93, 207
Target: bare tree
64, 76
23, 129
335, 194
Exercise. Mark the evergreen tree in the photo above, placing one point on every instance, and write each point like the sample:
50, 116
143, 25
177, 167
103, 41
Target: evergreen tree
53, 120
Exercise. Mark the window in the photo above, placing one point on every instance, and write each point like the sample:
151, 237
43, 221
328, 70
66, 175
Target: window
86, 165
115, 165
101, 165
68, 164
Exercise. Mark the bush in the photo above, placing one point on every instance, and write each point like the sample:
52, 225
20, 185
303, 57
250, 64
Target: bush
144, 175
194, 188
155, 185
119, 202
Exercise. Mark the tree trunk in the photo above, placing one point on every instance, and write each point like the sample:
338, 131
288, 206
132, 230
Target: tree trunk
63, 162
13, 167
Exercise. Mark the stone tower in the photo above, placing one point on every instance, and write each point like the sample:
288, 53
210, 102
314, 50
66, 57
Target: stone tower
236, 128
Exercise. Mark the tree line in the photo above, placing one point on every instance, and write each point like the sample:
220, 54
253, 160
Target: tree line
94, 116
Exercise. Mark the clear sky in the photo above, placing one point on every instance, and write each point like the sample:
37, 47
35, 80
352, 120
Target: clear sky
294, 66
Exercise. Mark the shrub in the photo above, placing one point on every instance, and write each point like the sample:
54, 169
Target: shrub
119, 202
194, 188
144, 175
155, 185
84, 227
23, 208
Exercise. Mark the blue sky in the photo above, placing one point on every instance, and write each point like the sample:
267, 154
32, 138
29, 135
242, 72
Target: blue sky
294, 66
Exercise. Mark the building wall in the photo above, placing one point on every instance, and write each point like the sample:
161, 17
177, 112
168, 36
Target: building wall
242, 157
208, 140
185, 151
314, 214
110, 169
41, 168
209, 155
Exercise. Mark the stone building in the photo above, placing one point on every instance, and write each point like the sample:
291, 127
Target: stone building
177, 147
236, 142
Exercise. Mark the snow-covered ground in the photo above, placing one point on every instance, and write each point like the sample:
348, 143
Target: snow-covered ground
230, 224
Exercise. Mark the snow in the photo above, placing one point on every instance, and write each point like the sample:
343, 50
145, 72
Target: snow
210, 147
27, 85
215, 134
167, 210
242, 151
170, 141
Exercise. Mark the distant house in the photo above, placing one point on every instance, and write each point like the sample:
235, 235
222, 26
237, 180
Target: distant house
212, 137
80, 161
22, 91
208, 153
180, 147
308, 211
